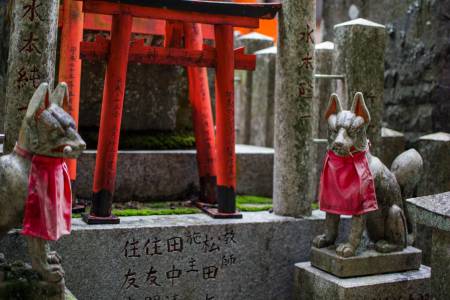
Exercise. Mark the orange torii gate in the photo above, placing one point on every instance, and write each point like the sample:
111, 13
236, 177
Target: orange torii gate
215, 150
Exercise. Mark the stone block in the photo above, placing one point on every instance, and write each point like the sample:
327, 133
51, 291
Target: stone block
369, 262
191, 256
319, 152
252, 42
364, 69
172, 174
393, 143
435, 151
312, 283
324, 87
262, 103
156, 97
434, 212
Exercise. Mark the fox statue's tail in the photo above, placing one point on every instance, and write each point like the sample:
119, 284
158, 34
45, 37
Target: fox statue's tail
407, 168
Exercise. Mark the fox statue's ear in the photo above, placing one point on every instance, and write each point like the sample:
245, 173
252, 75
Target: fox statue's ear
334, 106
39, 102
359, 107
60, 95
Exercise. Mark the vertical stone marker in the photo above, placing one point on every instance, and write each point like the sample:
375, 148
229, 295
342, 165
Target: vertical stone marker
31, 58
293, 108
359, 52
252, 42
262, 104
324, 53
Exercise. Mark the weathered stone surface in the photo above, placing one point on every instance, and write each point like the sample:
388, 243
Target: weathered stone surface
160, 175
393, 143
369, 262
312, 283
434, 211
416, 59
262, 103
31, 59
252, 43
440, 264
320, 147
293, 109
4, 37
359, 54
254, 256
435, 151
155, 97
323, 88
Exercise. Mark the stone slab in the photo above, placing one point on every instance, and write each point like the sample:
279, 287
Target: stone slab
312, 283
170, 175
433, 210
369, 262
248, 258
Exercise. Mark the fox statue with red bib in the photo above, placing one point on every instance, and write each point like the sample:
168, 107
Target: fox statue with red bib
34, 183
356, 183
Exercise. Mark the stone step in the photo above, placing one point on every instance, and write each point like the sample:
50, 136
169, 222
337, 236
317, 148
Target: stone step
172, 174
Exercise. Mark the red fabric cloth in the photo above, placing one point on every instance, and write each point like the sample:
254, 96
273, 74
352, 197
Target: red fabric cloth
346, 185
48, 209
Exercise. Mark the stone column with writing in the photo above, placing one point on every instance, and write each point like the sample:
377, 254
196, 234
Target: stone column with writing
252, 42
359, 53
293, 109
262, 104
31, 58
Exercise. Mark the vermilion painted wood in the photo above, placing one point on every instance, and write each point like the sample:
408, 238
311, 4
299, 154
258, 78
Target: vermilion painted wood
140, 53
111, 116
70, 63
109, 8
140, 25
253, 10
202, 118
173, 36
225, 136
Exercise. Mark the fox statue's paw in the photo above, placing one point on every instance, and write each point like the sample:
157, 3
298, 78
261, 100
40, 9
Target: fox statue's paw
386, 247
52, 273
53, 258
346, 250
322, 241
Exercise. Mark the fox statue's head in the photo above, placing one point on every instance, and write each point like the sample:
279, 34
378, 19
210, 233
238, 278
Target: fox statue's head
47, 129
347, 128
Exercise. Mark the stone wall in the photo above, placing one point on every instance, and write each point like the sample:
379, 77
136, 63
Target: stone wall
417, 59
185, 257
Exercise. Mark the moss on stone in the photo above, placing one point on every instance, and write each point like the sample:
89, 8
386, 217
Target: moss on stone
155, 140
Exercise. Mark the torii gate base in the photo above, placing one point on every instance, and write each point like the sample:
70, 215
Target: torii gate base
216, 157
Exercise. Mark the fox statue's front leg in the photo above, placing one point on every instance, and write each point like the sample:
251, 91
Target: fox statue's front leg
44, 261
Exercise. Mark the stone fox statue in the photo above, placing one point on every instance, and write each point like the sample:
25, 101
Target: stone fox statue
47, 135
354, 182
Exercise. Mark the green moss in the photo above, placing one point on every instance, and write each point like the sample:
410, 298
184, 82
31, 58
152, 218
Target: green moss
154, 140
245, 199
244, 203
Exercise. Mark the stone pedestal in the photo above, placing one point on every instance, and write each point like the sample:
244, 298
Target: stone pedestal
434, 211
360, 46
262, 103
369, 262
314, 284
435, 151
252, 43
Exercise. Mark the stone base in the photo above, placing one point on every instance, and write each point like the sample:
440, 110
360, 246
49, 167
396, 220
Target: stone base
314, 284
369, 262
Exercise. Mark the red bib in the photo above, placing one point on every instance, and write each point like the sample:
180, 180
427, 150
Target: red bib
48, 209
346, 185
